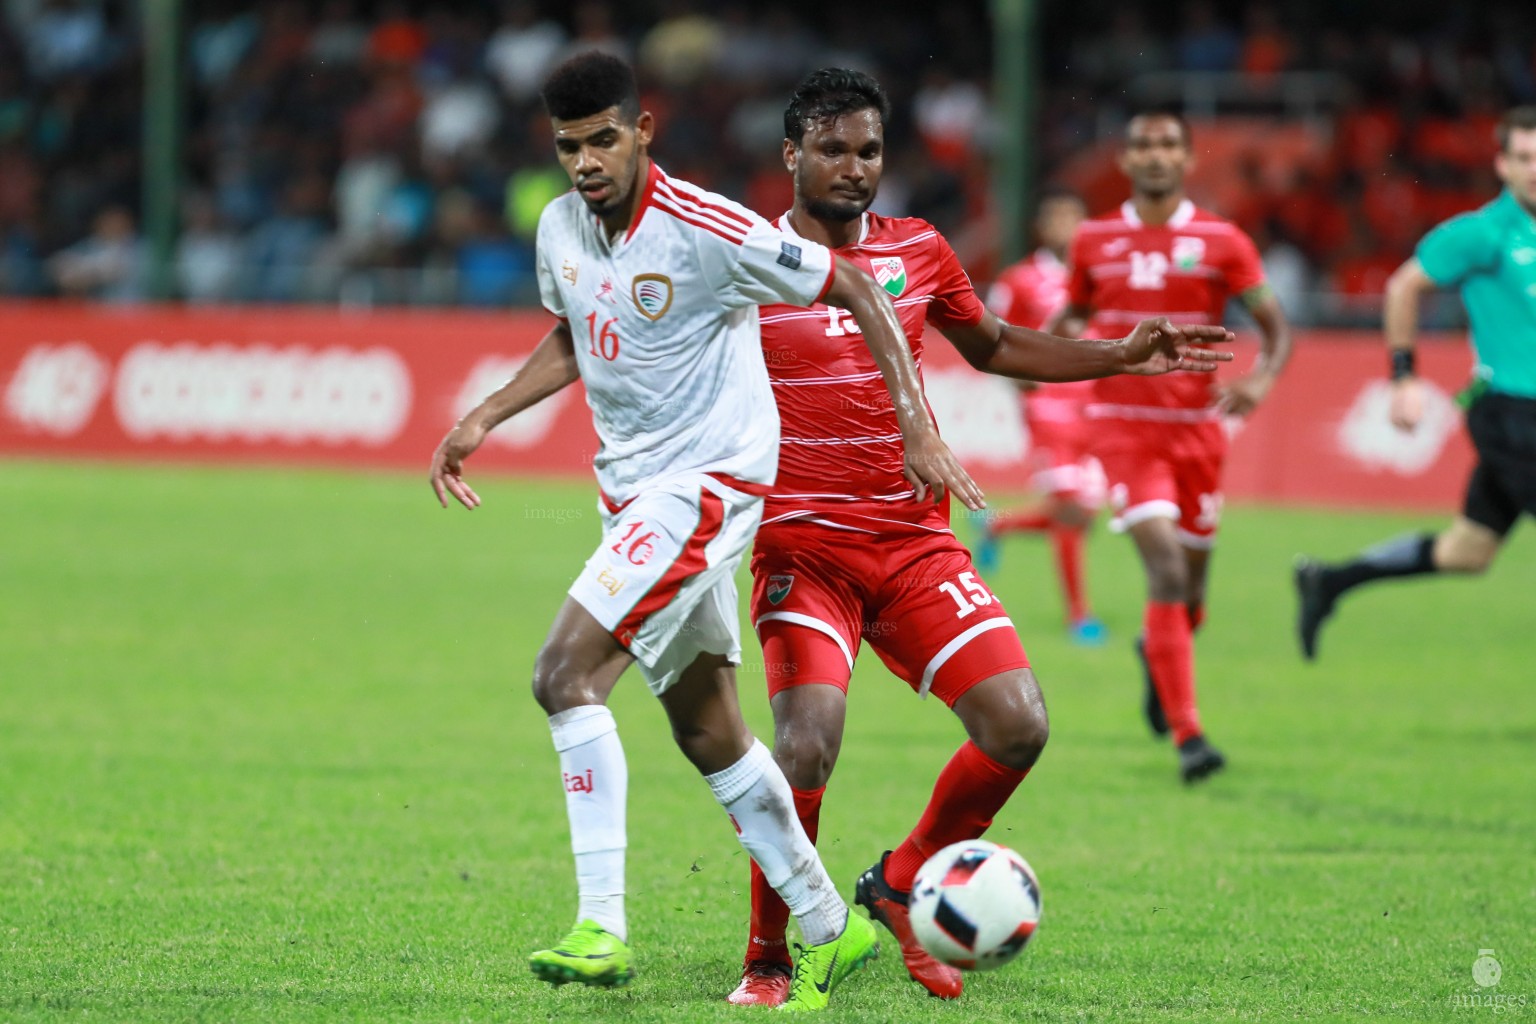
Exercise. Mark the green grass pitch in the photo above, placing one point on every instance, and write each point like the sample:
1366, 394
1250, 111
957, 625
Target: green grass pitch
267, 754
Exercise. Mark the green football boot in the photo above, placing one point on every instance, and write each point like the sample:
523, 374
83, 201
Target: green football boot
589, 955
819, 969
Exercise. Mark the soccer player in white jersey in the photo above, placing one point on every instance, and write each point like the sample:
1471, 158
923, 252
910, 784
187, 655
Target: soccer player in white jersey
656, 284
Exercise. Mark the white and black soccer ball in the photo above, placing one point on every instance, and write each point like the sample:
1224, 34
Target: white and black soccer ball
975, 905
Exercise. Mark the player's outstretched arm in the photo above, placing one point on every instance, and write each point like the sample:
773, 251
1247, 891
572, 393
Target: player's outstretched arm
551, 367
1155, 346
1400, 322
1242, 395
931, 466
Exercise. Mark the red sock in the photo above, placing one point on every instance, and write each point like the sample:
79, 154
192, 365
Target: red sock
1171, 653
770, 914
1068, 542
970, 791
1022, 522
1196, 617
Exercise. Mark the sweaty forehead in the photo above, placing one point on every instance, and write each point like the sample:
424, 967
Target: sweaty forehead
857, 124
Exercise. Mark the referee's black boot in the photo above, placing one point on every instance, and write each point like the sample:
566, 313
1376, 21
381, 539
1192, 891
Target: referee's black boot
1314, 603
1197, 759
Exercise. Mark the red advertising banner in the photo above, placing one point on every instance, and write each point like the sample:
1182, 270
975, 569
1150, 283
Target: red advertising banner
380, 388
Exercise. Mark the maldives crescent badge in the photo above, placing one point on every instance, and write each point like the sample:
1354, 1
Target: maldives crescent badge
890, 273
652, 294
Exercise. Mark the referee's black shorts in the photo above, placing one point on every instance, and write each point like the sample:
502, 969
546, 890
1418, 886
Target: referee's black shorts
1503, 483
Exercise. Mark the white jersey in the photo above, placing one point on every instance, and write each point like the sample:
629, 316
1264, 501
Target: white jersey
665, 326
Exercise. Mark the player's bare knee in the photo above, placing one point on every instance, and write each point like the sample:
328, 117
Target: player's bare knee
1070, 514
1019, 741
806, 756
1006, 718
710, 745
1466, 547
1167, 582
1018, 751
559, 684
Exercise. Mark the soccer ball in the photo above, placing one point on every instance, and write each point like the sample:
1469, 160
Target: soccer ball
975, 905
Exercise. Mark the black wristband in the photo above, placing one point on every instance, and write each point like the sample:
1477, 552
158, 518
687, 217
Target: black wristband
1402, 363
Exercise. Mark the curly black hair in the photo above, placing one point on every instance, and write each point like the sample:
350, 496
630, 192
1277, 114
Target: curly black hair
829, 93
588, 84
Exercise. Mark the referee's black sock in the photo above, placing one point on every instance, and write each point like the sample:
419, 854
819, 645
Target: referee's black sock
1412, 554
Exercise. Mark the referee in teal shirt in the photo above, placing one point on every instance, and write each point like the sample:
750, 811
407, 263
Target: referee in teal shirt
1490, 255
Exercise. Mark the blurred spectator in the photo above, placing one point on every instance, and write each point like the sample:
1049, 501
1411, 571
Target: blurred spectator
363, 187
1123, 52
951, 115
21, 263
368, 114
1267, 47
522, 51
458, 119
683, 46
339, 37
1287, 270
1205, 42
66, 38
529, 190
490, 268
220, 42
595, 30
397, 38
108, 264
208, 254
282, 250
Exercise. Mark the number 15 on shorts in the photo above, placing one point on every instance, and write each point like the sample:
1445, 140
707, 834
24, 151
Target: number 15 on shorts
975, 595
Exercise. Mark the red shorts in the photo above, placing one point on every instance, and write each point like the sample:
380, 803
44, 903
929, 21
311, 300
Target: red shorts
1161, 470
818, 591
1058, 456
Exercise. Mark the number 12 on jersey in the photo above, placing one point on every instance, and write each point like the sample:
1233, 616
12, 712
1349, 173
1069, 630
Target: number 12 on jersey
976, 594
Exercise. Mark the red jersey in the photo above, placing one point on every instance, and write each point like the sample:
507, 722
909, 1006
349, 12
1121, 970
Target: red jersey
1029, 293
1187, 269
840, 450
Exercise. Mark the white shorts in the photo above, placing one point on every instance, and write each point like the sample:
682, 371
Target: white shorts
663, 580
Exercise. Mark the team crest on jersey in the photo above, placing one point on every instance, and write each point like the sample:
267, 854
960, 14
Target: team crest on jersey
890, 273
1188, 252
652, 294
778, 588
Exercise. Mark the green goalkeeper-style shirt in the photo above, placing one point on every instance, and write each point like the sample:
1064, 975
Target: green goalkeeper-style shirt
1490, 254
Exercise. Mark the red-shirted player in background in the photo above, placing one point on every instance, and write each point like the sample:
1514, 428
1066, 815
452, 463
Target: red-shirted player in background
848, 552
1162, 443
1030, 293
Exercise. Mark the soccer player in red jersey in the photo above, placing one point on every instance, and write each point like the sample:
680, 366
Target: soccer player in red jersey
1029, 293
848, 552
1162, 443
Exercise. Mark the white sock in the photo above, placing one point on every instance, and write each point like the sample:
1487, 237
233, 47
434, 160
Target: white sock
596, 782
756, 795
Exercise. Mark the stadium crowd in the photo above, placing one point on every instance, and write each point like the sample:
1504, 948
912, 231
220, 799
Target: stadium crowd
396, 152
